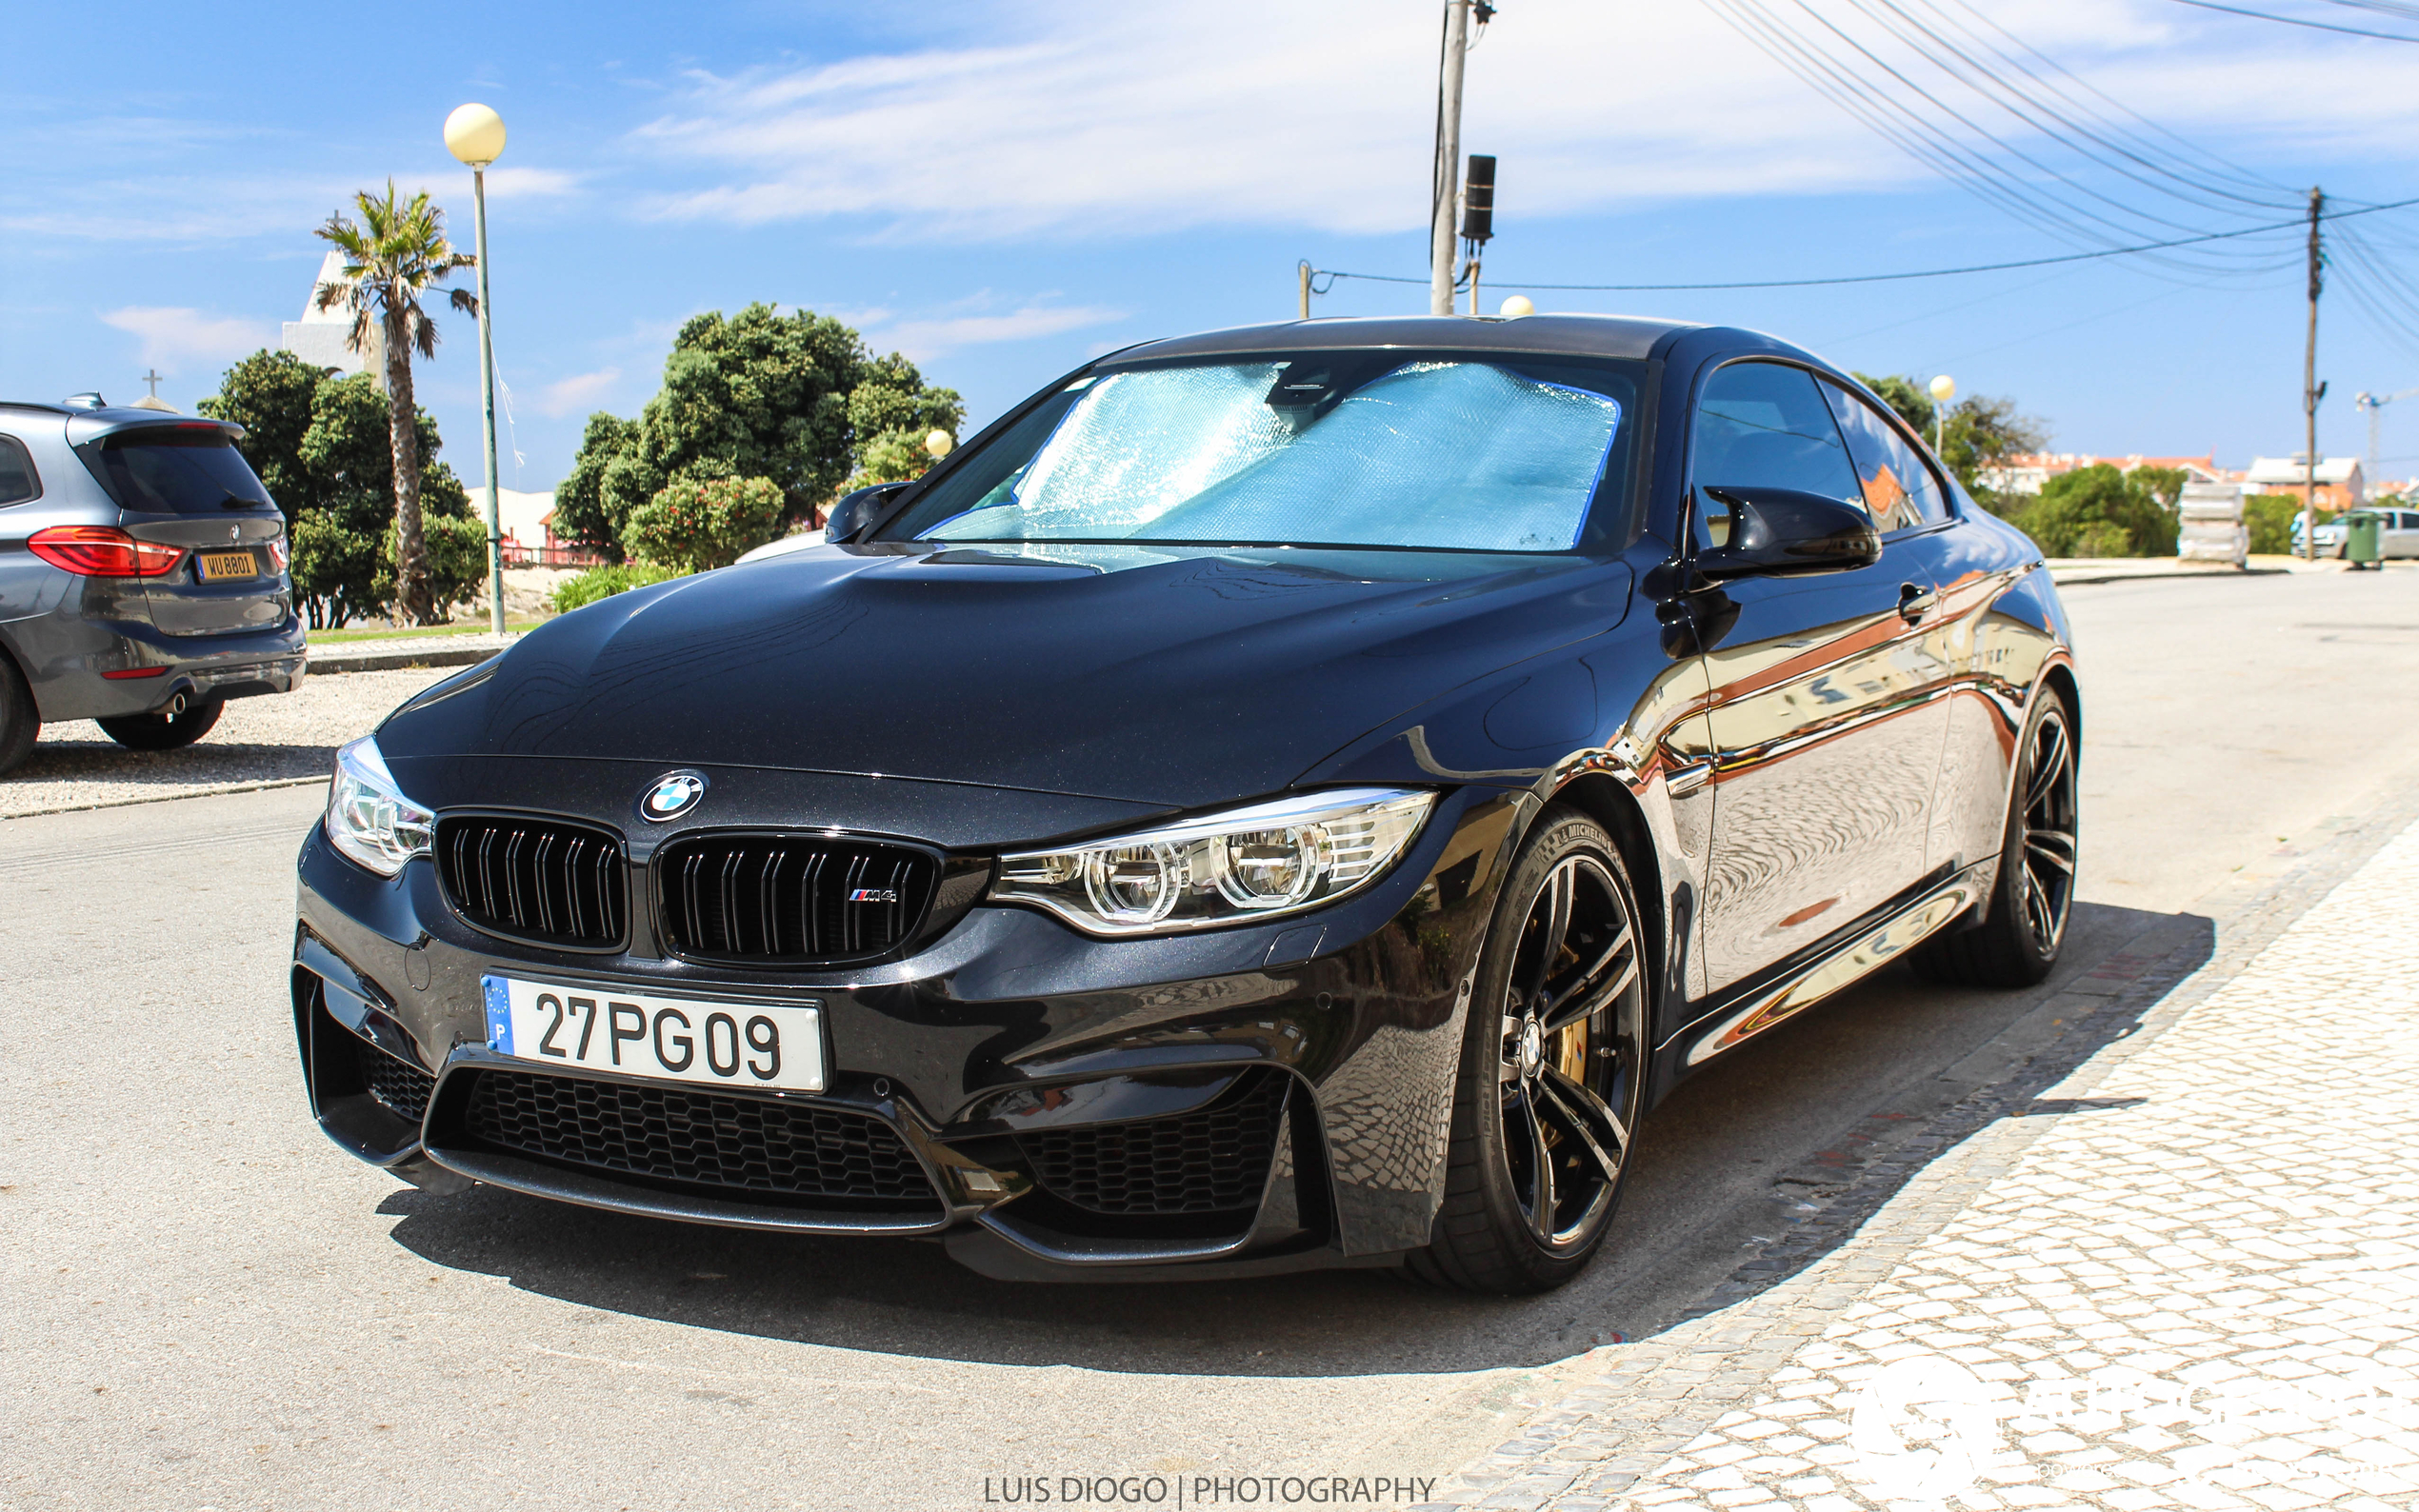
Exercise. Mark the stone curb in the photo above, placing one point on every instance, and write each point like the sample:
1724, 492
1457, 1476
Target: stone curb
396, 661
2067, 578
206, 790
1653, 1397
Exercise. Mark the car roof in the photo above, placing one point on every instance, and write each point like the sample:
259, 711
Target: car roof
1576, 335
85, 424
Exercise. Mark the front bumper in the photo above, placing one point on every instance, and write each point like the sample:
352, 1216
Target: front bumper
1051, 1105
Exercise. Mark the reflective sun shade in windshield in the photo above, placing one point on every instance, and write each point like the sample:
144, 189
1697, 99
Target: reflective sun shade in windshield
169, 471
1429, 454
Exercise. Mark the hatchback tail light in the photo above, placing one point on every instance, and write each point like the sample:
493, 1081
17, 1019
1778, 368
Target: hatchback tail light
103, 552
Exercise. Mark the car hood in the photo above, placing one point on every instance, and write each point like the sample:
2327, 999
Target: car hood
1171, 676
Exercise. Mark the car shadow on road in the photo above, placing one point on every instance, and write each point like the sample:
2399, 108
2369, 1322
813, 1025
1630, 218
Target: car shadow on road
1838, 1106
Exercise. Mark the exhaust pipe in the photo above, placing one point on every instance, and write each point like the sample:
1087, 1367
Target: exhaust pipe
175, 705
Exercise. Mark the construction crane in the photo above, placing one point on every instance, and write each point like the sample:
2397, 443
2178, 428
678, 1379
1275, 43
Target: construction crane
2372, 403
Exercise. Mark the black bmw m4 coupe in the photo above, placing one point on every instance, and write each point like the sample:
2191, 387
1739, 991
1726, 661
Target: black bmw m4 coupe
1288, 797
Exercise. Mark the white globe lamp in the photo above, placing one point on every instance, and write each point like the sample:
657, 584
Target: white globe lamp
475, 135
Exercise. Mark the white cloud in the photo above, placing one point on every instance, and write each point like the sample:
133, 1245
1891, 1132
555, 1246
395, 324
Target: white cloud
1098, 118
530, 183
922, 339
174, 335
579, 391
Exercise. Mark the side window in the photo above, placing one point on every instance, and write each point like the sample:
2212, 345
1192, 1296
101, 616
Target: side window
1899, 485
18, 481
1763, 424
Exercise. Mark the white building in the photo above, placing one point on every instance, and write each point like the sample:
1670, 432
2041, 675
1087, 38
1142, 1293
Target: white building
318, 338
522, 515
2341, 483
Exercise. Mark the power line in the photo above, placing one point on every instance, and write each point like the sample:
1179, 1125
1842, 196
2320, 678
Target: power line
2014, 179
1885, 278
2296, 21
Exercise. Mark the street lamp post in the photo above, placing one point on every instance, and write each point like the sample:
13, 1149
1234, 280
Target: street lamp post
1943, 389
475, 135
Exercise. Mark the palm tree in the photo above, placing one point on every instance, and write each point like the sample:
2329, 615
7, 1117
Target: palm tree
394, 254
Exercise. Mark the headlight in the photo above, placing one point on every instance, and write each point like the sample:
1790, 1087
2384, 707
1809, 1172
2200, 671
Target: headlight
1245, 863
368, 819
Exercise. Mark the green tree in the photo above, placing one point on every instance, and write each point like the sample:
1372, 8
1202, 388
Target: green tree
794, 398
1984, 435
696, 525
328, 447
580, 511
892, 413
2101, 511
1906, 395
1978, 437
268, 393
393, 255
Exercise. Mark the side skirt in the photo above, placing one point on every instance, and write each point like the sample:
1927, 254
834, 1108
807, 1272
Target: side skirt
1761, 1005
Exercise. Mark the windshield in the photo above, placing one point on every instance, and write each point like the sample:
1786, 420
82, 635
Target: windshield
1457, 452
161, 470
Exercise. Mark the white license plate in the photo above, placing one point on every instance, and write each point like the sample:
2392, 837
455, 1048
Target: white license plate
663, 1038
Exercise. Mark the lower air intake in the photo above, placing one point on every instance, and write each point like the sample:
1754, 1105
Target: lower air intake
697, 1138
1213, 1161
401, 1087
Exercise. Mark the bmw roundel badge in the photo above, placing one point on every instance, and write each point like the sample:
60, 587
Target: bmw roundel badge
674, 794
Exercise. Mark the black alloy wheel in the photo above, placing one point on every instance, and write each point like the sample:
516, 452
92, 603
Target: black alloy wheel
2020, 931
2048, 827
164, 732
1553, 1071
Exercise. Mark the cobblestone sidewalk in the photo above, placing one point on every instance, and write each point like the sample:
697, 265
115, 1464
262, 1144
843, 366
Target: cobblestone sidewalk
2186, 1275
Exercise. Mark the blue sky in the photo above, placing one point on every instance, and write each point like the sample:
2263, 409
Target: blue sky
1002, 191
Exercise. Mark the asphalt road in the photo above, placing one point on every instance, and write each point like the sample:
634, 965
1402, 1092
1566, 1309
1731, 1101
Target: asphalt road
208, 1307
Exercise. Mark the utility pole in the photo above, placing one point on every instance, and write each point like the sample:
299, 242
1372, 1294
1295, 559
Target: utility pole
2312, 390
1449, 158
1304, 272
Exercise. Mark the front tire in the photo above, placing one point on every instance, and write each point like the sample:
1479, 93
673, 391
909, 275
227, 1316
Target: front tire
20, 721
1553, 1071
2019, 937
164, 732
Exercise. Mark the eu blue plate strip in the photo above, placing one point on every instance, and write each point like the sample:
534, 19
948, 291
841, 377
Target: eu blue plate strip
499, 1014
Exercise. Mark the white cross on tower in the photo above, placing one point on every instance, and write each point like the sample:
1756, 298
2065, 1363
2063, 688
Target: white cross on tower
153, 378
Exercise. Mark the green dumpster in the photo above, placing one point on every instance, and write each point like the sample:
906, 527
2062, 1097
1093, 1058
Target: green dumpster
2363, 545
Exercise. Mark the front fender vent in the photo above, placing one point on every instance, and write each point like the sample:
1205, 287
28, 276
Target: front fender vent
791, 899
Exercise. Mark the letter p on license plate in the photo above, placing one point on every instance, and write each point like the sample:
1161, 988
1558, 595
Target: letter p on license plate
691, 1039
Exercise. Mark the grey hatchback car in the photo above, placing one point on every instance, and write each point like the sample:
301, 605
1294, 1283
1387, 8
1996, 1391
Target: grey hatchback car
142, 575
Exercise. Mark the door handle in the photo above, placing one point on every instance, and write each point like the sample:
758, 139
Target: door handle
1914, 603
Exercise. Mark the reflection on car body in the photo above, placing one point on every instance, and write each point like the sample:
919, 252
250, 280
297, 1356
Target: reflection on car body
1261, 775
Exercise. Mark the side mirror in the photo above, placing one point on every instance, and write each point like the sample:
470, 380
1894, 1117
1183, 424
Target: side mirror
1782, 530
854, 511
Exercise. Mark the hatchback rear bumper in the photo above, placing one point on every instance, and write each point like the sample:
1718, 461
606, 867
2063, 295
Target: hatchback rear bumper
79, 668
